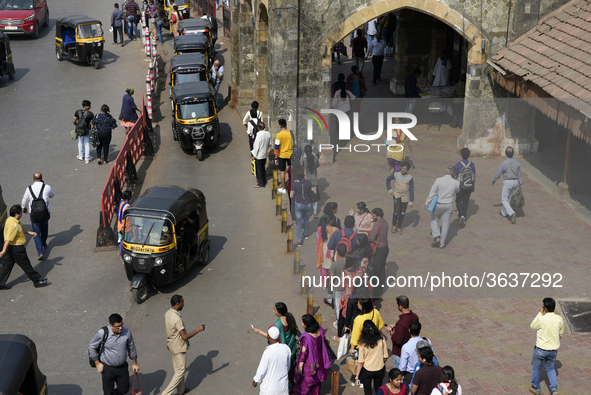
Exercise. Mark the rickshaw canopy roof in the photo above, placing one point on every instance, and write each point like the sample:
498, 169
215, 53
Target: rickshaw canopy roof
17, 354
188, 61
194, 22
191, 41
170, 202
75, 20
191, 92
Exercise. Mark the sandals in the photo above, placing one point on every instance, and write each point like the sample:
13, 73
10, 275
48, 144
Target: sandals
399, 231
393, 229
100, 162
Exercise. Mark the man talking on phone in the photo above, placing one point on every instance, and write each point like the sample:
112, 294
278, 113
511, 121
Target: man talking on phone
177, 342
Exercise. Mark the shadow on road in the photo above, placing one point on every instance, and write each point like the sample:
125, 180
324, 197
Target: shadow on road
202, 367
64, 389
151, 382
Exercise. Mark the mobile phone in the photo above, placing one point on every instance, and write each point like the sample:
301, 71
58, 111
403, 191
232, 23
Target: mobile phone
252, 326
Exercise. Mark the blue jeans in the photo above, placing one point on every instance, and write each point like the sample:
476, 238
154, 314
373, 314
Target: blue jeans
302, 214
41, 229
395, 361
509, 187
159, 31
84, 147
548, 358
131, 27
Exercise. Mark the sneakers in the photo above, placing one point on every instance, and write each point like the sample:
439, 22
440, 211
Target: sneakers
534, 391
335, 324
41, 283
79, 158
555, 392
4, 287
513, 218
462, 221
327, 302
40, 257
281, 191
306, 237
436, 242
87, 161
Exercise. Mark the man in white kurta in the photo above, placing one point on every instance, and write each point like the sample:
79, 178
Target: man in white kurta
441, 70
273, 369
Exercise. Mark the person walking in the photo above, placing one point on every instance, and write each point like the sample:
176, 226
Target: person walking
159, 18
403, 195
359, 49
373, 354
342, 97
104, 124
123, 205
247, 117
273, 370
550, 328
339, 85
396, 148
283, 147
309, 162
346, 236
363, 220
510, 169
260, 148
251, 127
300, 192
288, 335
313, 361
81, 121
131, 11
368, 312
376, 50
356, 82
39, 215
401, 330
323, 254
217, 75
379, 236
129, 111
117, 17
408, 353
444, 188
428, 376
465, 173
111, 363
350, 272
177, 342
15, 251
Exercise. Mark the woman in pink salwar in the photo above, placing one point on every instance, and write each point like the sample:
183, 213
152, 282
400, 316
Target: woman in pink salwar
313, 361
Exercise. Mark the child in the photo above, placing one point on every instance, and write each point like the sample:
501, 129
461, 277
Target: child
394, 386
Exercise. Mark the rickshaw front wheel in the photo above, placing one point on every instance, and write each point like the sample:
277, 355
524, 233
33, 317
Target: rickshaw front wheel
96, 63
205, 259
200, 155
11, 72
140, 294
58, 54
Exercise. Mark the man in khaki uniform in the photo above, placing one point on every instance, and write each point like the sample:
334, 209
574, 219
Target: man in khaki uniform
177, 341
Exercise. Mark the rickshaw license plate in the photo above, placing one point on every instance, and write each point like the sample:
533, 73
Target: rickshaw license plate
11, 27
141, 261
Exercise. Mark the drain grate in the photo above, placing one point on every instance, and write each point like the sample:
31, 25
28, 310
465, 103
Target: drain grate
578, 315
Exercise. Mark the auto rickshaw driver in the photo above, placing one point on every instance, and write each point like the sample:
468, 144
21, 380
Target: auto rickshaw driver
165, 237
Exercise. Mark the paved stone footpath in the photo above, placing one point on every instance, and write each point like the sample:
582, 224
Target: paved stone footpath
483, 333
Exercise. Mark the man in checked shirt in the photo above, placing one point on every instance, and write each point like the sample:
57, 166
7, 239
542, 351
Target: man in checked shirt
112, 363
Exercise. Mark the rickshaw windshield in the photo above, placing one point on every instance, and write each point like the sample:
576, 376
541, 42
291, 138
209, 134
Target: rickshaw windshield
195, 110
190, 77
16, 5
93, 30
147, 231
177, 2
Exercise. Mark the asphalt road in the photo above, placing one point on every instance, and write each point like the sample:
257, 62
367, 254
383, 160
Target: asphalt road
248, 270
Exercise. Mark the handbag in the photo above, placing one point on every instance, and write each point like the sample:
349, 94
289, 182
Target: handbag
517, 200
314, 196
343, 346
137, 391
74, 135
137, 18
331, 355
351, 365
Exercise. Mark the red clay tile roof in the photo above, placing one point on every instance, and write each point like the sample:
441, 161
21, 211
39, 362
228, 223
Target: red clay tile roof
556, 54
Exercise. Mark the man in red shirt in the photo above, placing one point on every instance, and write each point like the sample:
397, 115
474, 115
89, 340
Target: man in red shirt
359, 48
401, 330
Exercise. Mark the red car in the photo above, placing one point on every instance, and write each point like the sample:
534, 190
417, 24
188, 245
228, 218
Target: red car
23, 16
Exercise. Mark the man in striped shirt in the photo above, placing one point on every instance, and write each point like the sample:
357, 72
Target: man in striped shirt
131, 10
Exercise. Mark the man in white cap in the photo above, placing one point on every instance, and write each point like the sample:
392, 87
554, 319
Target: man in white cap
273, 369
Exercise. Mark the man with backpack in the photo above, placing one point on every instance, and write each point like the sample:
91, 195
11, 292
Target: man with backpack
466, 174
346, 237
82, 119
36, 203
108, 351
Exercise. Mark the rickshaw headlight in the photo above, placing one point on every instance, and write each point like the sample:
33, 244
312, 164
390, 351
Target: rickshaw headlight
209, 128
158, 261
127, 258
30, 18
186, 130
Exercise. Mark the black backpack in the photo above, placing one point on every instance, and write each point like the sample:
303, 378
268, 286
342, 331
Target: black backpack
39, 211
101, 347
82, 123
466, 177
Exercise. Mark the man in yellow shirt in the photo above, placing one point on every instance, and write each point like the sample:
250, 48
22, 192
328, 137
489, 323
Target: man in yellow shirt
177, 342
550, 327
283, 145
15, 251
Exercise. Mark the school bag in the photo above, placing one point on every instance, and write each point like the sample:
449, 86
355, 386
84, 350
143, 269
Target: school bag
81, 123
101, 347
347, 241
466, 177
39, 211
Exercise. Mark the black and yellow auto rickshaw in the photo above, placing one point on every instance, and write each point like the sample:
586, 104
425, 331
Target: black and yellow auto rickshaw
3, 216
6, 65
80, 38
193, 43
183, 6
195, 26
165, 234
188, 67
195, 121
19, 373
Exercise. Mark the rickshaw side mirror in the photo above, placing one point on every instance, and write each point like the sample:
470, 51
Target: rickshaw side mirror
39, 6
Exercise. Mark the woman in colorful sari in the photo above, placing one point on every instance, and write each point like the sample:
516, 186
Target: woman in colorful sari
351, 271
288, 333
313, 361
323, 254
